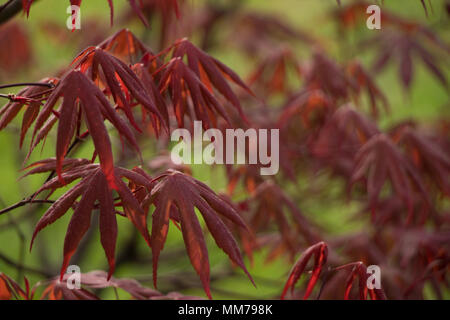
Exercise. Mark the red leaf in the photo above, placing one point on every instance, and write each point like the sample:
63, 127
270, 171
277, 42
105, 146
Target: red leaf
210, 71
320, 252
177, 190
10, 289
92, 187
379, 160
35, 94
80, 95
117, 77
272, 74
428, 156
359, 271
124, 45
81, 220
184, 84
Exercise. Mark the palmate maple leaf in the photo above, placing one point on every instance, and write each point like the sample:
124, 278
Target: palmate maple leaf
300, 120
326, 75
148, 81
359, 271
93, 188
273, 207
175, 189
351, 15
248, 174
365, 83
272, 74
379, 161
341, 137
320, 253
430, 259
405, 43
124, 45
30, 99
212, 72
120, 81
81, 98
427, 155
186, 88
311, 107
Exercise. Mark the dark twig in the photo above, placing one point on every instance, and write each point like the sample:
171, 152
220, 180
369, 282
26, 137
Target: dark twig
17, 265
30, 198
22, 203
27, 84
9, 10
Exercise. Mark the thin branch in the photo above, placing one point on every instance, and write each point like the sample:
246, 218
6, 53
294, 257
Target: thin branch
27, 84
3, 6
12, 263
9, 10
22, 240
22, 203
30, 200
15, 98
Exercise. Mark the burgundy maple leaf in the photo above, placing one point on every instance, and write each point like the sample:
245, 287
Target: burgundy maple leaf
428, 156
30, 97
341, 137
119, 79
184, 193
404, 43
326, 75
272, 74
312, 107
124, 45
272, 206
365, 83
379, 161
210, 71
320, 253
186, 88
81, 98
359, 271
93, 188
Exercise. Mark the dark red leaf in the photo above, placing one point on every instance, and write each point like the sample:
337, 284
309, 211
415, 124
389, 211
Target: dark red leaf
93, 187
320, 252
185, 193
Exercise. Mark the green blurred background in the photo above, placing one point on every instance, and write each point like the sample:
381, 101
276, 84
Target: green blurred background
427, 101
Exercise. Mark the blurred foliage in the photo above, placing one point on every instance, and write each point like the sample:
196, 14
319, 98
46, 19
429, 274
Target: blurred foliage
54, 47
